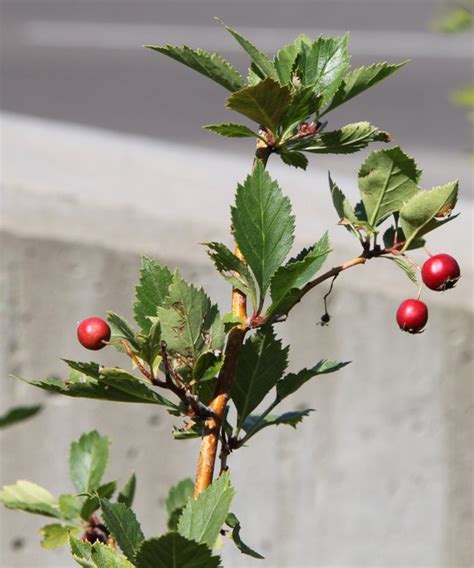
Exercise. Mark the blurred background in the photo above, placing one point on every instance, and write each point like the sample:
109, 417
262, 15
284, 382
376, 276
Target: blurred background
103, 158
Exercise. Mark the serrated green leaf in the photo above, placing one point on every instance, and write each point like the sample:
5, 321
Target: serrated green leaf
56, 535
347, 140
18, 414
189, 322
263, 225
341, 203
323, 64
127, 494
294, 381
387, 179
207, 366
104, 556
202, 518
174, 551
295, 159
92, 503
260, 60
70, 506
361, 79
121, 329
81, 552
232, 130
211, 65
427, 210
303, 104
255, 423
177, 498
285, 59
124, 527
405, 265
87, 461
291, 278
262, 362
264, 103
27, 496
151, 292
232, 269
233, 522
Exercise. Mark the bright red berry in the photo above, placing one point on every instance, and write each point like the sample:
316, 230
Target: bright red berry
92, 333
412, 316
440, 272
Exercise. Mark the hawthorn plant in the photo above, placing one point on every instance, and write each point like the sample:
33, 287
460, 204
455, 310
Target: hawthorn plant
214, 370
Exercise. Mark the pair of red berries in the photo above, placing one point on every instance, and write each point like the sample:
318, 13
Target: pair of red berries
439, 272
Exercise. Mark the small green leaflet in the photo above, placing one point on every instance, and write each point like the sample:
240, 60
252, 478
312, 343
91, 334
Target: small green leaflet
285, 59
207, 366
387, 179
347, 140
202, 518
121, 329
295, 159
294, 381
232, 130
262, 362
211, 65
87, 461
405, 265
173, 550
18, 414
261, 61
323, 64
263, 225
255, 423
303, 104
264, 103
29, 497
232, 269
361, 79
291, 278
151, 292
233, 522
81, 552
427, 210
124, 527
70, 506
341, 204
127, 494
189, 322
178, 496
104, 556
92, 503
56, 535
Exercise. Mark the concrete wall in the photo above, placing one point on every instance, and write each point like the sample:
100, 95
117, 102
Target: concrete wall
379, 476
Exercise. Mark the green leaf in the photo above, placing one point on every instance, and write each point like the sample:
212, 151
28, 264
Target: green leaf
104, 556
56, 535
92, 503
347, 140
70, 506
262, 362
189, 322
174, 551
81, 552
127, 494
232, 269
303, 104
232, 130
264, 103
177, 498
211, 65
29, 497
207, 366
341, 204
151, 292
289, 280
387, 179
294, 381
261, 61
285, 59
124, 527
295, 159
202, 518
233, 522
18, 414
256, 423
360, 80
263, 225
121, 329
87, 461
323, 64
405, 265
427, 210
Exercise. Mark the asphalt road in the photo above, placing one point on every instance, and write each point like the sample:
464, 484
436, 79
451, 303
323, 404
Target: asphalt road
81, 61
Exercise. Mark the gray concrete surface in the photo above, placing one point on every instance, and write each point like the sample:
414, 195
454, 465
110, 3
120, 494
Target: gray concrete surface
379, 476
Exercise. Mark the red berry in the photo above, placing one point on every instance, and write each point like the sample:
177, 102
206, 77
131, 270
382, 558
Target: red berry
412, 316
92, 333
440, 272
